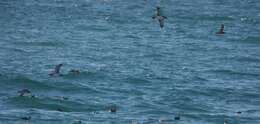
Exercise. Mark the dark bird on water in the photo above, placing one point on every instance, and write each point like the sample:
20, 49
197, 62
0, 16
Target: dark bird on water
77, 122
74, 71
24, 92
56, 70
239, 112
221, 30
113, 109
26, 118
60, 110
225, 122
177, 118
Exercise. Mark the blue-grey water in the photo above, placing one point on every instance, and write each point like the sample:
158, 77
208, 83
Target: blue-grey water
126, 61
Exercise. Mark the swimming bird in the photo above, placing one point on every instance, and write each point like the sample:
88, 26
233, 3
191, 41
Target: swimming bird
177, 118
74, 71
64, 98
77, 122
113, 109
26, 118
24, 92
225, 122
221, 30
56, 70
239, 112
60, 110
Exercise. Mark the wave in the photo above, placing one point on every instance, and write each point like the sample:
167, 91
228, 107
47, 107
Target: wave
247, 59
51, 85
53, 104
137, 81
40, 43
206, 18
23, 82
250, 40
232, 72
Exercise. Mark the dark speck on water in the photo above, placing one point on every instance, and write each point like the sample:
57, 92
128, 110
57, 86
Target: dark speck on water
73, 71
113, 110
103, 52
65, 98
24, 92
60, 110
26, 118
77, 122
177, 118
239, 112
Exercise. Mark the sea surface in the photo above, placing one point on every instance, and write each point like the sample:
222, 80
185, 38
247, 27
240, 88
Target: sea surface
126, 61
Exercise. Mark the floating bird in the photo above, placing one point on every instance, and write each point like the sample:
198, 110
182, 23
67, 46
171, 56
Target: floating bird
113, 109
24, 92
60, 110
221, 30
225, 122
26, 118
74, 71
239, 112
56, 70
64, 98
77, 122
177, 118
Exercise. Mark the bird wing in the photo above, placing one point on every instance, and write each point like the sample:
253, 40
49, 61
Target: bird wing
57, 69
161, 21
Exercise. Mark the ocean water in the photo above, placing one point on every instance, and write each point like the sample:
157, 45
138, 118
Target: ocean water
126, 61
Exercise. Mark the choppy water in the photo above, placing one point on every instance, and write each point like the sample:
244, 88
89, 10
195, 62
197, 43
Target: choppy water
127, 61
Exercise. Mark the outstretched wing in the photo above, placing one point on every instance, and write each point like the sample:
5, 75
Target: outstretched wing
161, 21
57, 68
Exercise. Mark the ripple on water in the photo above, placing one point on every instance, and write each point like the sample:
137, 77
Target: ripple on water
41, 43
137, 81
234, 73
53, 104
251, 40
